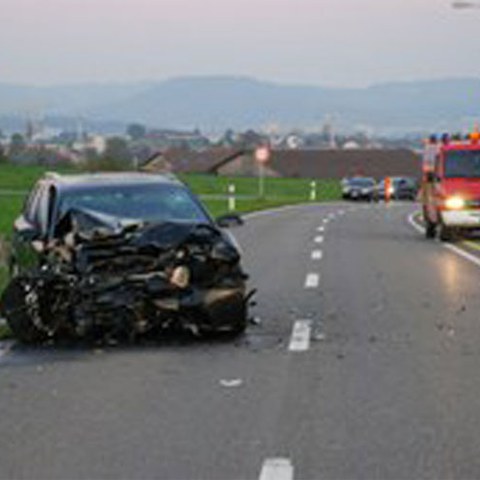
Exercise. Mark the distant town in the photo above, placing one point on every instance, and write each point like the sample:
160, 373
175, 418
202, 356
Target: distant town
40, 144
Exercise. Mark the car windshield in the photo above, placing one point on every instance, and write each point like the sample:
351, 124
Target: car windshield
147, 203
361, 182
462, 164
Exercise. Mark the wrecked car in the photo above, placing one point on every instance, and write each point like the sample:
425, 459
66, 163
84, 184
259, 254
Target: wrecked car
118, 256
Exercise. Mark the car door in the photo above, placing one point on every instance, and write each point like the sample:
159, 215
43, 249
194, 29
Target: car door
30, 231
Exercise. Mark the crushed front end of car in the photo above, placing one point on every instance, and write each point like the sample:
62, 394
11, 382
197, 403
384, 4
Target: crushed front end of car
106, 278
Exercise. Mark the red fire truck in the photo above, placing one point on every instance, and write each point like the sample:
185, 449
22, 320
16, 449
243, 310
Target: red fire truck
451, 186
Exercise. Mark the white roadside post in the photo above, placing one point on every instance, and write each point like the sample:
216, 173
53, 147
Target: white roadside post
313, 191
262, 156
232, 204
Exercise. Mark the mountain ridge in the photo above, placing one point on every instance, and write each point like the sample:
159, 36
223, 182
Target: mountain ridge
217, 102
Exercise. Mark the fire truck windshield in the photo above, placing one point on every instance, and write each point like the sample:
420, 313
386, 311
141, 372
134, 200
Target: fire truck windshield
462, 164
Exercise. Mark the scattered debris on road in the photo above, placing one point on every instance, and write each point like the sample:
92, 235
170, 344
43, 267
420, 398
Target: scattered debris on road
231, 383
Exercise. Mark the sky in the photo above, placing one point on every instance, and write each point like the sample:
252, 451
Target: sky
343, 43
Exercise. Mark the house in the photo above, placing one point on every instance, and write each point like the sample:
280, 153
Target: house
333, 164
185, 160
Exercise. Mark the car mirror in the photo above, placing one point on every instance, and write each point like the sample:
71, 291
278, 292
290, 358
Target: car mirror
230, 220
28, 234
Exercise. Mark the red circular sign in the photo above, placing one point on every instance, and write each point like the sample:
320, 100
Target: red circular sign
262, 154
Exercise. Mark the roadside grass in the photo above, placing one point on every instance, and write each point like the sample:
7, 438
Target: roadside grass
281, 188
22, 177
10, 206
5, 333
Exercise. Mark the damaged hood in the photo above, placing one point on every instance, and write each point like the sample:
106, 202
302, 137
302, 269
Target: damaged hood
90, 226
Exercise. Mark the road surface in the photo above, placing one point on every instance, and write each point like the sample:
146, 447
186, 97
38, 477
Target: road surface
365, 365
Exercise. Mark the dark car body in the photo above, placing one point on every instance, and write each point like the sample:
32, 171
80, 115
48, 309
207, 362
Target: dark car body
120, 255
358, 188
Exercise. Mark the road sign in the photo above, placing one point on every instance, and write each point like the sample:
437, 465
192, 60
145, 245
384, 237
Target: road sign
262, 154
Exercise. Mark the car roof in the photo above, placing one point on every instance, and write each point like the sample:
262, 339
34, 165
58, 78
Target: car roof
359, 177
107, 179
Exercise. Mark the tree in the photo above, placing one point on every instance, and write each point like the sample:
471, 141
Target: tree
17, 144
136, 131
3, 156
117, 155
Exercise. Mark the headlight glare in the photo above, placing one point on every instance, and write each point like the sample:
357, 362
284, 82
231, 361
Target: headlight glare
455, 203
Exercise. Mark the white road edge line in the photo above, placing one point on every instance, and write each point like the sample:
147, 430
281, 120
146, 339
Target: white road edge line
317, 255
461, 253
286, 208
414, 224
277, 469
300, 339
319, 239
312, 280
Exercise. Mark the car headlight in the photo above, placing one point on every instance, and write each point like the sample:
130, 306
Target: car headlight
455, 203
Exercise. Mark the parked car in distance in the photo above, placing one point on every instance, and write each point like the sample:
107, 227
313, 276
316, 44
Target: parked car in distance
358, 188
402, 188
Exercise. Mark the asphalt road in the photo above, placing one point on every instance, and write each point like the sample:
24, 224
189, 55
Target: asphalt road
379, 380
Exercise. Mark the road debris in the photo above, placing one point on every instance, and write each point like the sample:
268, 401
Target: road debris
231, 383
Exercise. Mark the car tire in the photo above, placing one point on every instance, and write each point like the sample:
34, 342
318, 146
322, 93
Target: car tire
15, 309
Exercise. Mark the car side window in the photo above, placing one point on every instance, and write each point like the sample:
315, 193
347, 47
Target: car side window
43, 210
31, 204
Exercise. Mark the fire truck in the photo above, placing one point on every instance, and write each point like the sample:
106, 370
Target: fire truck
450, 191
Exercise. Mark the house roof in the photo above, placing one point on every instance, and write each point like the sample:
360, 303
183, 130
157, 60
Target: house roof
342, 163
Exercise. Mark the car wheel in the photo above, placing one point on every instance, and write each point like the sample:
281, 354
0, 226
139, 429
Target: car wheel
20, 306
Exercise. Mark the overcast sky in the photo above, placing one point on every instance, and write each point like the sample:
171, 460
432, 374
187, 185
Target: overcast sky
322, 42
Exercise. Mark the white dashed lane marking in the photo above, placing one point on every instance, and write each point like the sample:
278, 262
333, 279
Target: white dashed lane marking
312, 280
317, 255
321, 229
319, 239
277, 469
300, 339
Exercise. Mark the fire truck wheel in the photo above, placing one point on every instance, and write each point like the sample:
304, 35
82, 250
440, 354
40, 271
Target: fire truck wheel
446, 234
